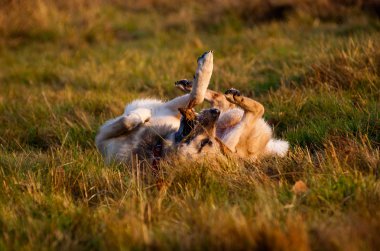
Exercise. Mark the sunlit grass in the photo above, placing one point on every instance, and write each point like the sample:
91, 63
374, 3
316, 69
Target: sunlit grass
319, 82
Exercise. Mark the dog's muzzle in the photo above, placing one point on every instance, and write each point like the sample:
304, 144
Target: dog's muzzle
215, 112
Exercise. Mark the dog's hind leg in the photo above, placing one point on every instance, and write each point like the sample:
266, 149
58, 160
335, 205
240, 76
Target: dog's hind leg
122, 124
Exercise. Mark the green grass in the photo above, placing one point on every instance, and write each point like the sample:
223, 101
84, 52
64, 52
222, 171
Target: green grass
319, 83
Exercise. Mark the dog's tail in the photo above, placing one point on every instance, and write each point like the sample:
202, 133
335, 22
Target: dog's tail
277, 147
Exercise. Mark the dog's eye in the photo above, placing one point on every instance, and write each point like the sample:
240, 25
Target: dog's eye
206, 141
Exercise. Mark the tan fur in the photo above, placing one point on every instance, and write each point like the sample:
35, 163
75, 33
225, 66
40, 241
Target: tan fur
240, 126
240, 131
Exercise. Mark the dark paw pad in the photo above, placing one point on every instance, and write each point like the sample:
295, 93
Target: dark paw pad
202, 56
184, 84
233, 92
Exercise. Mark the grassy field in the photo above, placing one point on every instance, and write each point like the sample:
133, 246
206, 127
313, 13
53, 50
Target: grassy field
65, 68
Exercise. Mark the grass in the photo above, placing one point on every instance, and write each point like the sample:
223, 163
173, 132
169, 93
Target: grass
76, 66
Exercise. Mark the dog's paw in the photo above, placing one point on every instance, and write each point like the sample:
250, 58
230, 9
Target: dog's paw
184, 85
205, 62
233, 91
202, 57
233, 95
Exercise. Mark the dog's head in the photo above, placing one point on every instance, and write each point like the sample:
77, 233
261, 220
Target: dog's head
196, 137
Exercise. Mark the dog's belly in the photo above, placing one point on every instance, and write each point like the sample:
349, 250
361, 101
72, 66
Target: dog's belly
253, 141
142, 103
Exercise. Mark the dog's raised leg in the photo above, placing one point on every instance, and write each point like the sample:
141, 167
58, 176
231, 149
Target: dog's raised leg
254, 108
201, 81
252, 112
202, 78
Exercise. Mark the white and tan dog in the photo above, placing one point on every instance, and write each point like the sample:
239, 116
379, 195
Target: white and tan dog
150, 129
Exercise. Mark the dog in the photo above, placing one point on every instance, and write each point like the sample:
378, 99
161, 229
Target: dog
150, 130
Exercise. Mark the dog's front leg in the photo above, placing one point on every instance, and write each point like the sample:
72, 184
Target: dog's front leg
252, 112
216, 99
251, 108
199, 85
201, 79
176, 103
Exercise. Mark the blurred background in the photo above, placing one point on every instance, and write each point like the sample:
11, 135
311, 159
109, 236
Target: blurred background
93, 21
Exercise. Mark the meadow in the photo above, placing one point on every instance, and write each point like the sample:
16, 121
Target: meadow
68, 66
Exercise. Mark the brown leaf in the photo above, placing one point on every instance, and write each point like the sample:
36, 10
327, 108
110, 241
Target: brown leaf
300, 187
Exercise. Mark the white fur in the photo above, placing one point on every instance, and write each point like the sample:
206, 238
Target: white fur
142, 103
277, 147
153, 111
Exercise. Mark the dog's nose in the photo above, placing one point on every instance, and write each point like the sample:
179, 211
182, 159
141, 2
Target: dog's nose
215, 111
